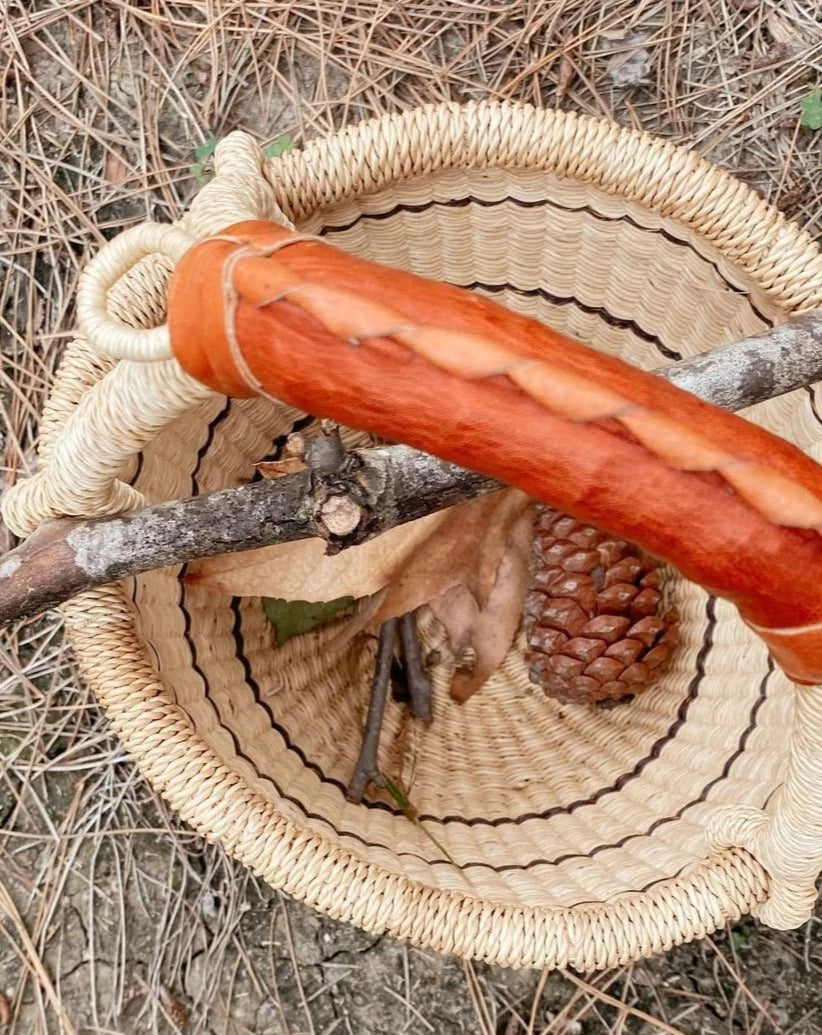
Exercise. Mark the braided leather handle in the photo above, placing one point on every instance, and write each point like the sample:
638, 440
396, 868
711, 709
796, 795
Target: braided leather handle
263, 310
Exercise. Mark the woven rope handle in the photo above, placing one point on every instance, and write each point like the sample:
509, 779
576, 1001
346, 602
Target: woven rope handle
786, 840
261, 310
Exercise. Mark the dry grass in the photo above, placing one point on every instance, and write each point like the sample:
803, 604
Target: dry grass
117, 918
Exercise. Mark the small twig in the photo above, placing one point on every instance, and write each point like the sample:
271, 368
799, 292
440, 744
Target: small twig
419, 685
409, 1009
734, 972
487, 1026
292, 952
30, 958
532, 1020
367, 769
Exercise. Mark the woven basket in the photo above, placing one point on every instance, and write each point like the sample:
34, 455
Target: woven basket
577, 837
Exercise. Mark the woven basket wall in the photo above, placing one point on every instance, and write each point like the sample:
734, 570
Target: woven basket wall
576, 836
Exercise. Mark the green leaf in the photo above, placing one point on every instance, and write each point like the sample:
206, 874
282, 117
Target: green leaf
205, 150
401, 799
811, 107
292, 617
202, 153
741, 937
279, 147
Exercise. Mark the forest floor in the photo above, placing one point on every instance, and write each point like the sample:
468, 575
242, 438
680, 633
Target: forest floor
118, 919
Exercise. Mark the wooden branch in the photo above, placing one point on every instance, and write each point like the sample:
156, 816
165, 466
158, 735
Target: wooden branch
367, 769
755, 369
345, 502
372, 491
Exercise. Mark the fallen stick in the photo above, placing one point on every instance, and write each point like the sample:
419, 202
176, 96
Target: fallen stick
366, 770
373, 490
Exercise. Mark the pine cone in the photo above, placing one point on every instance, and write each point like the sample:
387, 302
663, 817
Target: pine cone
595, 620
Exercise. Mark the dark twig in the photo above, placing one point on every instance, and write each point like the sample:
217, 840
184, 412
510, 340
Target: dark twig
419, 684
367, 768
419, 687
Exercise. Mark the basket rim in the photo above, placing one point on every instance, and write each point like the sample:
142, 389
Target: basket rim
666, 178
745, 229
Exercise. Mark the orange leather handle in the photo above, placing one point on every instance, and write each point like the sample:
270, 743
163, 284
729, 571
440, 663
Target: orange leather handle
262, 310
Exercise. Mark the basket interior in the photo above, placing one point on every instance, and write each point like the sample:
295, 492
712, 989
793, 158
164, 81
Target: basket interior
521, 800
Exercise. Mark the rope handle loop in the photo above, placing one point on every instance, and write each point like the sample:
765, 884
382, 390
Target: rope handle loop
107, 335
240, 190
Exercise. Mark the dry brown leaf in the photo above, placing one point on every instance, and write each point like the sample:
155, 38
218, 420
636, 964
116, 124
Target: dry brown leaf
631, 63
783, 30
466, 550
492, 629
565, 76
302, 571
473, 574
174, 1008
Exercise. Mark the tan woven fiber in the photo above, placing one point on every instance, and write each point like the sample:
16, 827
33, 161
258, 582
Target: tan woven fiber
578, 837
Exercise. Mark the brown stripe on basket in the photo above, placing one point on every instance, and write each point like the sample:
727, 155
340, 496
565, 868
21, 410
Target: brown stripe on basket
624, 323
291, 745
463, 202
213, 424
811, 390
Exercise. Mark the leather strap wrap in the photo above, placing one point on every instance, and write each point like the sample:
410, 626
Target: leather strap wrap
259, 309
